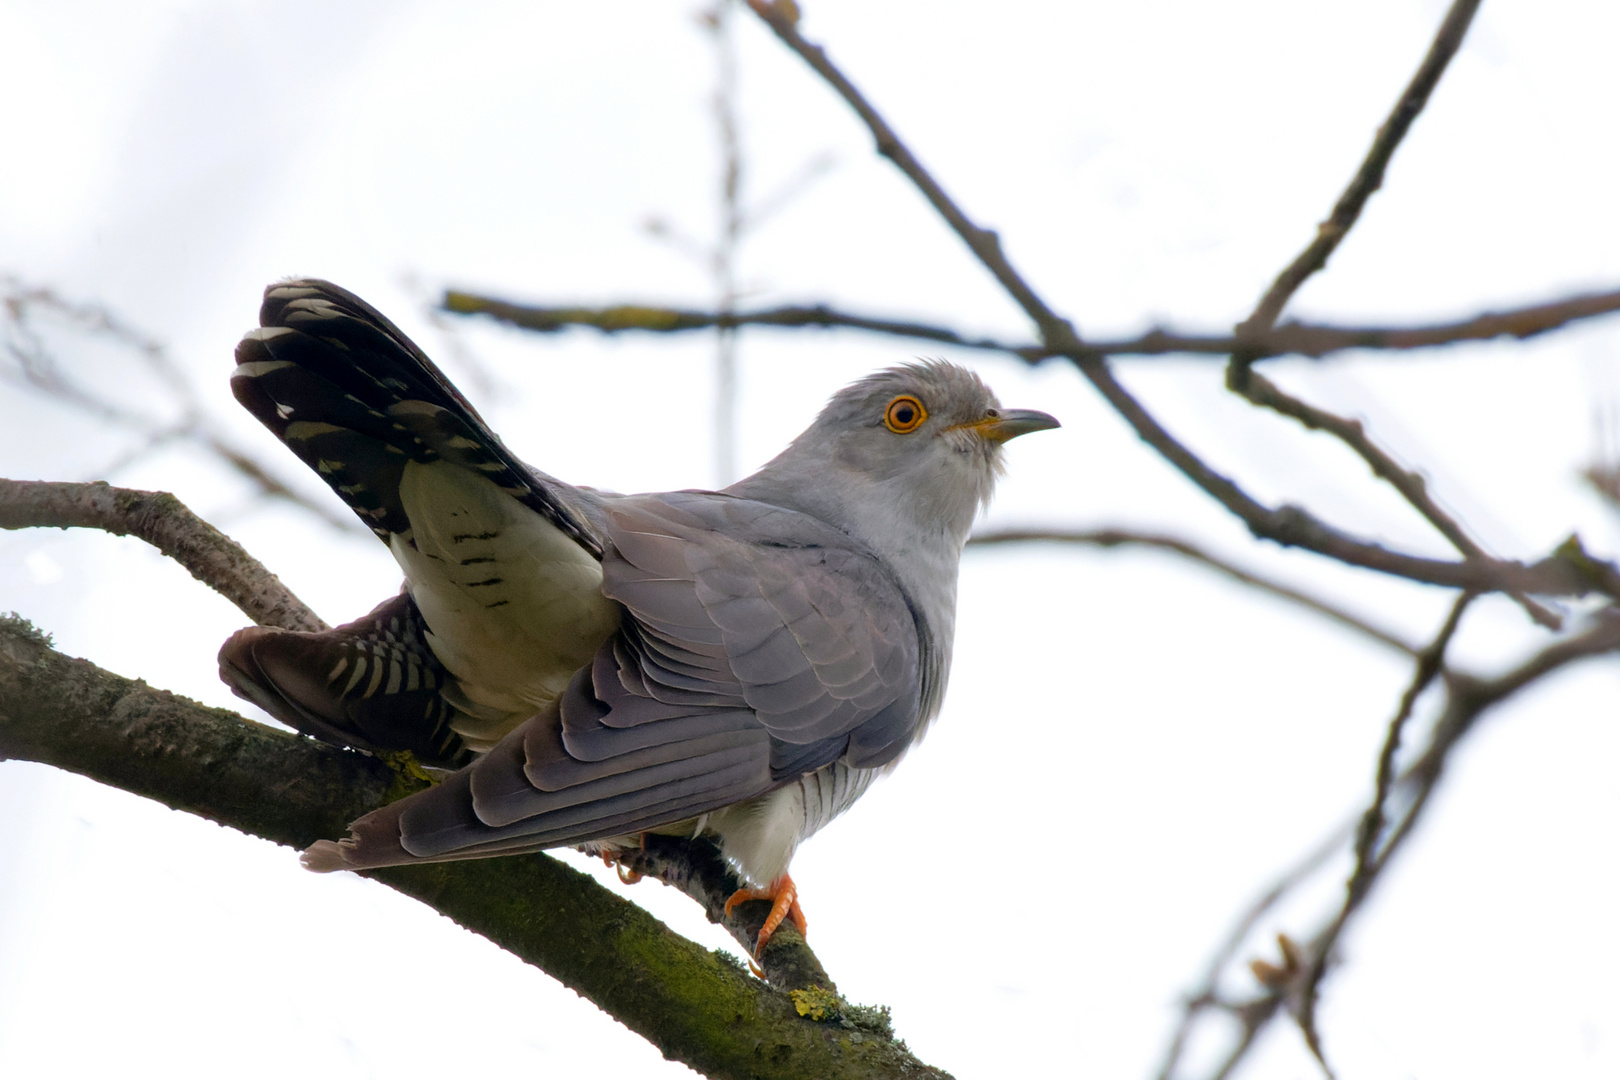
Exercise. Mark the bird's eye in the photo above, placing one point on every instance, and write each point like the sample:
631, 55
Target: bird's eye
904, 414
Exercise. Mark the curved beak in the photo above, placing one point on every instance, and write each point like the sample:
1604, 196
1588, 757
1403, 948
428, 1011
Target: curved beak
1004, 424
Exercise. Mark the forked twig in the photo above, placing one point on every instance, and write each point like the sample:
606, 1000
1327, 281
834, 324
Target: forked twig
1287, 525
1370, 176
1467, 699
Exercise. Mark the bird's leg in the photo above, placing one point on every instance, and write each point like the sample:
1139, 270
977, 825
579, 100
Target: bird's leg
784, 898
610, 857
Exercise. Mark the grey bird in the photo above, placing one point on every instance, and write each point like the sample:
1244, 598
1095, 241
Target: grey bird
739, 664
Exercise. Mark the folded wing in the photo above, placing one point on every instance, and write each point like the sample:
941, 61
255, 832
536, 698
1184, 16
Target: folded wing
758, 645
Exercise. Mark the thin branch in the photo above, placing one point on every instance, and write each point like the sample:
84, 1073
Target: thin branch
1313, 340
723, 254
1205, 997
1370, 176
1411, 484
1429, 665
1604, 478
1287, 525
789, 190
618, 318
1260, 391
1468, 699
1294, 526
164, 522
1521, 323
270, 485
1112, 538
38, 369
782, 17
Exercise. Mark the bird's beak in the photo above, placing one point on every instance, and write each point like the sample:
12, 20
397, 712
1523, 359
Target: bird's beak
1003, 424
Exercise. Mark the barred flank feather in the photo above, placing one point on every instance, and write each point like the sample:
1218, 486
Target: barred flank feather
372, 683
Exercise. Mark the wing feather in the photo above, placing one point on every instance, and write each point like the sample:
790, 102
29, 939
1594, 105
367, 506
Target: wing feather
757, 646
819, 636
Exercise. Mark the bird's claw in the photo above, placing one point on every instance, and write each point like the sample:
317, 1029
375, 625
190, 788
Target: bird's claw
627, 876
784, 898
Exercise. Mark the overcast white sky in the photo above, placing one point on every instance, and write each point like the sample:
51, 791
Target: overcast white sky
1129, 749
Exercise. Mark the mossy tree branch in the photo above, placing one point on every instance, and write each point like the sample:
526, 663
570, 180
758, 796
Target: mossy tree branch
688, 1001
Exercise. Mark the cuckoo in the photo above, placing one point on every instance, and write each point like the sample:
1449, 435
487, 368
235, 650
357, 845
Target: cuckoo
739, 664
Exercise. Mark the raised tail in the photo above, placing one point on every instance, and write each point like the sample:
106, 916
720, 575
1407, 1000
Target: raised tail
502, 567
356, 399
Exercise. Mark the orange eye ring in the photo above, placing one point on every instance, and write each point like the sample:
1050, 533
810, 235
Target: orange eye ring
905, 414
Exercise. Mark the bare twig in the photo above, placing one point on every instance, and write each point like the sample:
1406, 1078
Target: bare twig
1468, 698
1205, 997
1111, 538
1605, 480
618, 318
723, 255
164, 522
1411, 484
736, 220
38, 369
1287, 525
790, 189
1371, 827
1293, 526
1370, 176
1430, 663
1521, 323
1314, 340
1055, 331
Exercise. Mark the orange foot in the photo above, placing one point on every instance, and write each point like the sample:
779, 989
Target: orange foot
626, 875
784, 898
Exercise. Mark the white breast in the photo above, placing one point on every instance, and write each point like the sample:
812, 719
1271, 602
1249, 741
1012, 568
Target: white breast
760, 835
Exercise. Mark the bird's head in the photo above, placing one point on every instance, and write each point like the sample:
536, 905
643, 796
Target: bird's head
914, 447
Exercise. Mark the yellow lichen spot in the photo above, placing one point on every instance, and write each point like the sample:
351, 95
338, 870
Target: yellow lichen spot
817, 1004
405, 764
638, 317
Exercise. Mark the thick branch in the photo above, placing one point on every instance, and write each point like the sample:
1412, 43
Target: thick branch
697, 868
164, 522
219, 562
690, 1003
